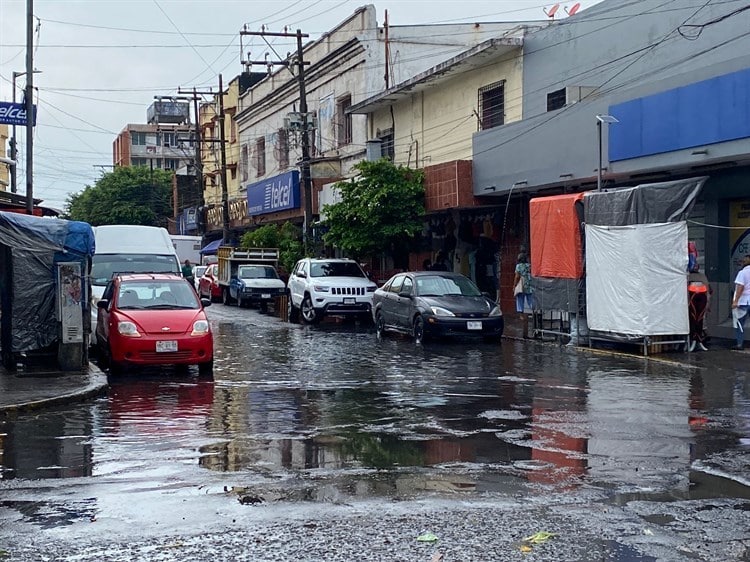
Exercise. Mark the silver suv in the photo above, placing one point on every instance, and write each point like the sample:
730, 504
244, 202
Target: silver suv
318, 287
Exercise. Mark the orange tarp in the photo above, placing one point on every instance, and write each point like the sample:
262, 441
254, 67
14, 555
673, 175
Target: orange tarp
556, 249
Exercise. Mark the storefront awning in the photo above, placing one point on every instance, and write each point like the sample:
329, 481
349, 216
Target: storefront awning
210, 248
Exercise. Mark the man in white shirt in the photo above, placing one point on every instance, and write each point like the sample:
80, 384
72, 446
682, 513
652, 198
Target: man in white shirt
741, 301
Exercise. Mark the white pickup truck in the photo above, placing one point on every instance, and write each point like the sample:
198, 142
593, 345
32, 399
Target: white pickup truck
249, 277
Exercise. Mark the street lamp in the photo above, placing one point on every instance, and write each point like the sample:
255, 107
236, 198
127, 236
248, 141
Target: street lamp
13, 142
599, 120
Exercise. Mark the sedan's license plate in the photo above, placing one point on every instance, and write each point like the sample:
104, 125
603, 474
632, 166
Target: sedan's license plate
473, 325
350, 300
169, 345
266, 295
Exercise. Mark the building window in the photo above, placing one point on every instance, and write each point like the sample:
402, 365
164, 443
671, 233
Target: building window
171, 163
387, 147
260, 157
343, 121
137, 138
139, 162
169, 140
232, 130
282, 149
556, 100
244, 163
492, 105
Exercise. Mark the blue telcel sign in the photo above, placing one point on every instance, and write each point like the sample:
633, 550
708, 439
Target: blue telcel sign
15, 113
278, 193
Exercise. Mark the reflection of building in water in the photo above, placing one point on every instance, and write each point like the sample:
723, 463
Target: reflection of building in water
47, 446
639, 427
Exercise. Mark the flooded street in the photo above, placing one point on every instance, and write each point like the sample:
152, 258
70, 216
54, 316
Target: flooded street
319, 440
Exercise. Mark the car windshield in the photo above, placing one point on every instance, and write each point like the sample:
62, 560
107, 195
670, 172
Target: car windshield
103, 266
439, 286
156, 294
336, 269
257, 272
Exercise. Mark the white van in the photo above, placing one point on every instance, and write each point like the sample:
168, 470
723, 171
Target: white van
128, 248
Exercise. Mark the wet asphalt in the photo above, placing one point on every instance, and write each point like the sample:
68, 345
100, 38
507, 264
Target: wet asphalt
327, 443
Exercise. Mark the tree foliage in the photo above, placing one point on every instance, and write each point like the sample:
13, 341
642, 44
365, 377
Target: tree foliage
126, 195
287, 238
380, 209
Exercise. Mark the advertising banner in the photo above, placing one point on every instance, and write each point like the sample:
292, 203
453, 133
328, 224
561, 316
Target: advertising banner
278, 193
14, 114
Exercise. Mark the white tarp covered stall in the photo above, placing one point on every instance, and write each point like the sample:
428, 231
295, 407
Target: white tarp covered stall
636, 261
635, 280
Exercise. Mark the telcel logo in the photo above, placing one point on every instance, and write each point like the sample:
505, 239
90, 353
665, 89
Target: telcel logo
13, 113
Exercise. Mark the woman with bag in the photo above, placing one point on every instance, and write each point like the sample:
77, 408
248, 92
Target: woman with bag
522, 289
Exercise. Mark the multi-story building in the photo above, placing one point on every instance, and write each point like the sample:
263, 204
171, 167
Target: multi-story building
669, 87
351, 63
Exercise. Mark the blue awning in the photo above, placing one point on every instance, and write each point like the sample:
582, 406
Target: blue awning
210, 248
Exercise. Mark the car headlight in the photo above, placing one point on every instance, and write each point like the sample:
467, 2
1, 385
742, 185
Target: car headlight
321, 288
440, 311
496, 311
128, 329
200, 327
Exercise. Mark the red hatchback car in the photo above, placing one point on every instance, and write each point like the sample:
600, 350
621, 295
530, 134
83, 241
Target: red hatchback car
208, 284
153, 319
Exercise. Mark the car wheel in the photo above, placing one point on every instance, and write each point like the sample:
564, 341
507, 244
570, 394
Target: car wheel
292, 312
226, 298
263, 307
309, 314
116, 369
418, 332
206, 369
379, 325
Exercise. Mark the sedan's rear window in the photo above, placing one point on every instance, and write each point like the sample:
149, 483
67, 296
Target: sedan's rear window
157, 295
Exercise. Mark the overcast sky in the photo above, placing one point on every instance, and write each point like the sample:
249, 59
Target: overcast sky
103, 61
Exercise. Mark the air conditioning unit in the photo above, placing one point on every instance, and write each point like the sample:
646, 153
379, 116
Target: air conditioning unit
574, 94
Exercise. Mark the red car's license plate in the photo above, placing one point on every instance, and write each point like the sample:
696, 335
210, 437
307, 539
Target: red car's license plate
169, 345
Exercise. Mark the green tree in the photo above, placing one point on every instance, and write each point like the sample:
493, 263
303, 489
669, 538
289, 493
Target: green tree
126, 195
380, 210
287, 238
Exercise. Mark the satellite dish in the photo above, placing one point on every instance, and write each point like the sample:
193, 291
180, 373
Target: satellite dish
552, 11
573, 9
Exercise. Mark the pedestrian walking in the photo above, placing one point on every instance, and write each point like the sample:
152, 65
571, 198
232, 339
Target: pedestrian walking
441, 263
741, 301
522, 290
187, 272
699, 295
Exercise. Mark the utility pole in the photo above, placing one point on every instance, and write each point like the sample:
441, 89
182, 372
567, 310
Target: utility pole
223, 152
199, 140
305, 177
29, 106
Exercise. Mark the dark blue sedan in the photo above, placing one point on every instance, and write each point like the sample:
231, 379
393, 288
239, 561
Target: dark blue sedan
427, 304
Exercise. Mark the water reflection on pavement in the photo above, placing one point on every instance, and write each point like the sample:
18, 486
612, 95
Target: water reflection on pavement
330, 413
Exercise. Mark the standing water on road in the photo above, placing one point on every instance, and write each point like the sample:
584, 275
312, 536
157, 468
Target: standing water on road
331, 414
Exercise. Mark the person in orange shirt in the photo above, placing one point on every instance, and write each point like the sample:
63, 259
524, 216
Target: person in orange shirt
699, 295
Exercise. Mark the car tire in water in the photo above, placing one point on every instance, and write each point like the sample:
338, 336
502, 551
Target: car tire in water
418, 331
308, 312
206, 369
292, 312
379, 325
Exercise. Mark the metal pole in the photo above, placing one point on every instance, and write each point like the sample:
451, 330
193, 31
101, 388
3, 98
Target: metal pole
305, 168
29, 106
599, 169
198, 155
13, 141
224, 189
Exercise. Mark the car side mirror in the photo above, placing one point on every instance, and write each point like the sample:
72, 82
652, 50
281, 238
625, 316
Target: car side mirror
404, 294
206, 302
104, 303
302, 274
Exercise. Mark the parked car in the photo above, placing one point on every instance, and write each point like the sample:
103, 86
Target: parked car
426, 304
256, 284
198, 272
318, 287
208, 284
153, 319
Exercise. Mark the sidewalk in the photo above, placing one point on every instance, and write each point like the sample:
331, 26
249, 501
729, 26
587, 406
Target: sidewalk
36, 388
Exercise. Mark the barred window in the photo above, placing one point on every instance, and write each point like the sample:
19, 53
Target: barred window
492, 105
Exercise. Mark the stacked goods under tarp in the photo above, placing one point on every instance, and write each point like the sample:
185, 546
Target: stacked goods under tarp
636, 260
30, 250
557, 259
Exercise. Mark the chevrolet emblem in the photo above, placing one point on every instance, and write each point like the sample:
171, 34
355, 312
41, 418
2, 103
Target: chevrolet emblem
165, 329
